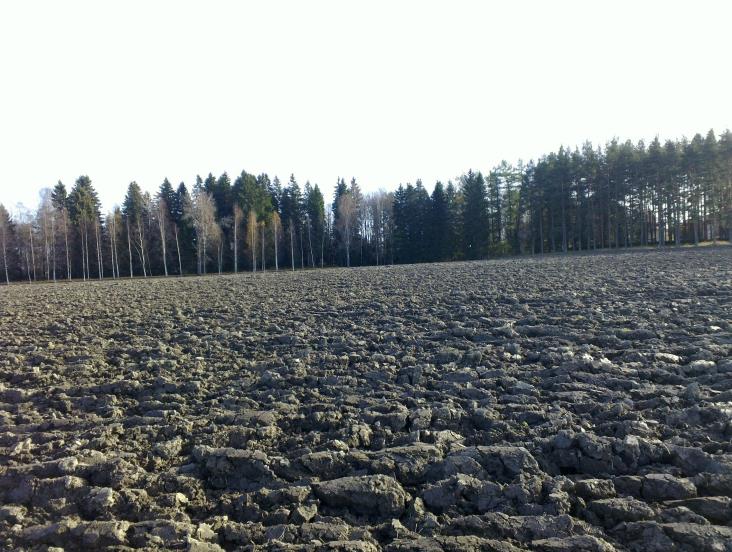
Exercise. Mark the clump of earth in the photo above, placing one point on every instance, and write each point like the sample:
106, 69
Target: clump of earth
566, 403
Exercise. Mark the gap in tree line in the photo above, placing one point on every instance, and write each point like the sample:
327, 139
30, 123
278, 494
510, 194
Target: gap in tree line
622, 195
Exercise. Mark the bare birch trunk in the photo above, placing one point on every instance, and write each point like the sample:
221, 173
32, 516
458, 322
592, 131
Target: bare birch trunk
46, 249
236, 246
310, 243
86, 250
177, 247
302, 253
142, 249
33, 257
53, 243
111, 248
204, 253
254, 250
199, 248
100, 267
129, 246
161, 225
83, 255
348, 250
66, 245
274, 230
292, 246
264, 264
116, 251
5, 259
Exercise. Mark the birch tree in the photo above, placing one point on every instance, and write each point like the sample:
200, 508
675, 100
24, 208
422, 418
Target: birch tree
97, 235
238, 215
201, 212
60, 203
346, 214
129, 246
264, 262
252, 237
133, 209
5, 230
162, 216
45, 214
177, 248
275, 226
111, 230
24, 229
292, 244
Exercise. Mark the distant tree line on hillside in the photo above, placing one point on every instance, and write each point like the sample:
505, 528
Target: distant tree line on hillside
617, 196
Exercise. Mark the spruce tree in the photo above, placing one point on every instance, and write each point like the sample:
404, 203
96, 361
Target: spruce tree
474, 215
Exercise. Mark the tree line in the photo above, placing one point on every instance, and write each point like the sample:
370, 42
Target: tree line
621, 195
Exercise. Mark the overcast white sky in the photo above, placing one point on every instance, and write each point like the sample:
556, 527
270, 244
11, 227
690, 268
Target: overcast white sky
385, 91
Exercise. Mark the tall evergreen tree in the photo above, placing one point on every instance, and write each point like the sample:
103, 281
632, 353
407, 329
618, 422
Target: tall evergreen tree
134, 210
475, 215
84, 212
439, 241
315, 214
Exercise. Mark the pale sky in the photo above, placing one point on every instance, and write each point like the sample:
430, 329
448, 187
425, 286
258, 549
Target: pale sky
386, 91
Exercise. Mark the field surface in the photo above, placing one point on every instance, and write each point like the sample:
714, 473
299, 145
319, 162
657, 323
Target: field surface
551, 404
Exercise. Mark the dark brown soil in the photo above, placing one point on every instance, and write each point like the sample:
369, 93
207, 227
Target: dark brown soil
551, 404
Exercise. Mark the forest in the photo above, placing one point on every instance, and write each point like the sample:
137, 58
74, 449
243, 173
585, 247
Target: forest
619, 195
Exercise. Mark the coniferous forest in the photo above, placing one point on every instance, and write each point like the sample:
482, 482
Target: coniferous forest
588, 198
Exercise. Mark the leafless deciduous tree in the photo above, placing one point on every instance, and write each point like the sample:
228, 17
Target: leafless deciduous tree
129, 246
238, 215
264, 263
252, 237
140, 245
112, 243
162, 215
275, 226
201, 211
292, 244
347, 212
44, 215
177, 248
100, 265
65, 223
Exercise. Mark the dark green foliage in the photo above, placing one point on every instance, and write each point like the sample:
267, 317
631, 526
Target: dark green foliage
439, 242
291, 206
10, 266
338, 251
315, 216
252, 194
169, 197
621, 195
60, 197
412, 224
133, 207
475, 215
83, 201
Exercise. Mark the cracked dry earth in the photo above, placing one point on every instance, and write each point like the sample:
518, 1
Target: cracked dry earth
557, 404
